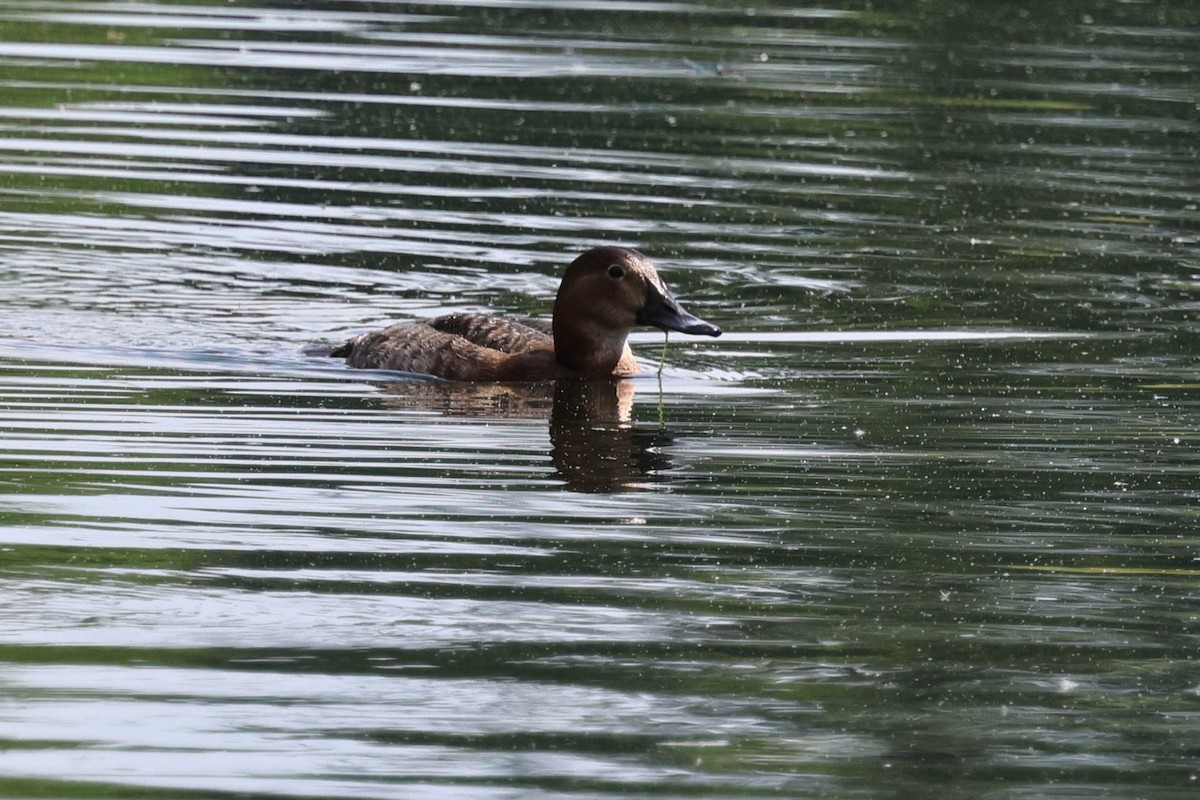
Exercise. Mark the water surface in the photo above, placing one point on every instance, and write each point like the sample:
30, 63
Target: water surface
923, 522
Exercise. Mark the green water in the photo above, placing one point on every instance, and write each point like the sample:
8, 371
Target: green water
922, 523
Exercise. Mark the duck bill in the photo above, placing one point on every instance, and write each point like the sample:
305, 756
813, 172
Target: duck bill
663, 311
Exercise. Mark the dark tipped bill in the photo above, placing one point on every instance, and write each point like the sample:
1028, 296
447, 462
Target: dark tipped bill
663, 311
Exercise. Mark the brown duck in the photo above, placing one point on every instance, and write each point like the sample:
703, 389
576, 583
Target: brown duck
604, 294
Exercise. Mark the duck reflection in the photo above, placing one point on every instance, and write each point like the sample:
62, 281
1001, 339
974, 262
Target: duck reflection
594, 444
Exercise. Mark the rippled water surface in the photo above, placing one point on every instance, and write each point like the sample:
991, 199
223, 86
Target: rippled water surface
923, 523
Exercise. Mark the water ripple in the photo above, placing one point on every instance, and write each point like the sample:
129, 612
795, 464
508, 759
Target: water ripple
921, 519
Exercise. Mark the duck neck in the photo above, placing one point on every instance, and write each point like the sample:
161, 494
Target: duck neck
585, 347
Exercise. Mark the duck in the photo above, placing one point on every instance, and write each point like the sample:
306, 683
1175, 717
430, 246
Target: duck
604, 294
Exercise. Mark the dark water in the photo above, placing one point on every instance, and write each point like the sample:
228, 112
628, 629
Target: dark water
922, 524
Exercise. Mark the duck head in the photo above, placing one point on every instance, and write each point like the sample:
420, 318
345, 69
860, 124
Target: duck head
604, 294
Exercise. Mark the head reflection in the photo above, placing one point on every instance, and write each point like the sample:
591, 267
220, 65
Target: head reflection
594, 446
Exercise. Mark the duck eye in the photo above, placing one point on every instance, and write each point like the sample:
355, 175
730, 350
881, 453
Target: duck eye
616, 271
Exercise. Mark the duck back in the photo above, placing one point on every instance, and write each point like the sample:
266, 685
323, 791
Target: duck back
498, 333
464, 347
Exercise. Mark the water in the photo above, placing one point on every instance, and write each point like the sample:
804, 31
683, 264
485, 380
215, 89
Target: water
923, 522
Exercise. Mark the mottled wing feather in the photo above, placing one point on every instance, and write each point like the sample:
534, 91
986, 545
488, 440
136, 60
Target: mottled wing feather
462, 347
416, 347
496, 333
539, 324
